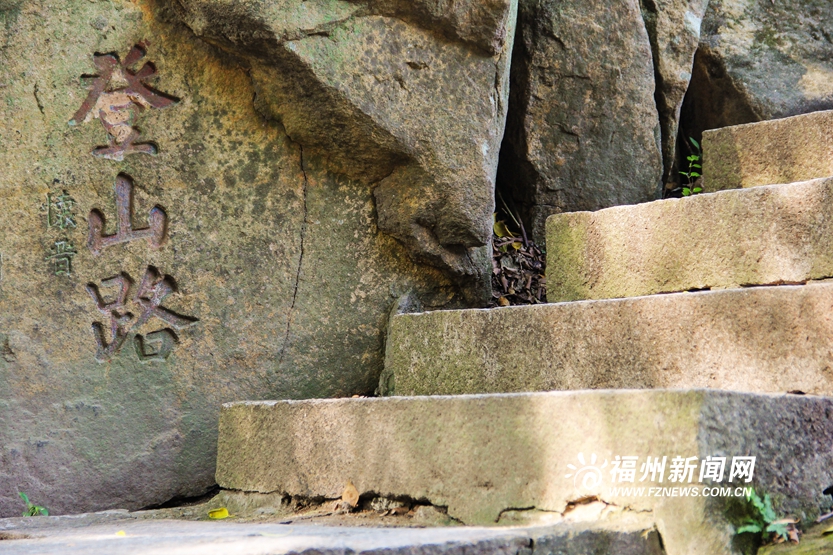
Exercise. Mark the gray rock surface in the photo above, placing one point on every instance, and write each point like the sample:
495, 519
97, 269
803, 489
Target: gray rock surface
760, 60
584, 129
484, 455
419, 118
760, 339
88, 534
275, 264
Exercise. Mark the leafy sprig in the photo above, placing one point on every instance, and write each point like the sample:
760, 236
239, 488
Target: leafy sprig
31, 508
695, 166
765, 521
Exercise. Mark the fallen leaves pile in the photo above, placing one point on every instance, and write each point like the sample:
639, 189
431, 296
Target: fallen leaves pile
518, 267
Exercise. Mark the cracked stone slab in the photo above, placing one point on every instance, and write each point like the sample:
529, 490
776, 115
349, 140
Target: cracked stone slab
760, 339
797, 148
481, 455
130, 533
278, 260
758, 236
359, 81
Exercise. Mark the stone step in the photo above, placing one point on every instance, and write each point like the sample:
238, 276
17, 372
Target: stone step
133, 535
758, 339
797, 148
763, 235
490, 458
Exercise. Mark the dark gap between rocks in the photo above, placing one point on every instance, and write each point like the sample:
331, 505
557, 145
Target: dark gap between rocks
518, 264
185, 501
711, 101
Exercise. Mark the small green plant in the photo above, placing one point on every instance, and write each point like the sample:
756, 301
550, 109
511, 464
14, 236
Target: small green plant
694, 168
31, 508
765, 522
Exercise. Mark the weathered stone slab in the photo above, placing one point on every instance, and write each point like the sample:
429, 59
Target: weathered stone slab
279, 282
419, 113
483, 454
762, 339
786, 150
130, 533
584, 133
758, 236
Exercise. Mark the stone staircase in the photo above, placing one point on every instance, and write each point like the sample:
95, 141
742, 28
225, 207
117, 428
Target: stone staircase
695, 329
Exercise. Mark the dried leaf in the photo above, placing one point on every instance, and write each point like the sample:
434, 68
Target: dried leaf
501, 230
350, 495
517, 272
503, 301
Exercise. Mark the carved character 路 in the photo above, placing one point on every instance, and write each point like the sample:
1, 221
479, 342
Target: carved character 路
127, 314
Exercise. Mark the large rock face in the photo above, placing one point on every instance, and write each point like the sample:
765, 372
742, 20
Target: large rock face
584, 131
417, 117
176, 247
761, 60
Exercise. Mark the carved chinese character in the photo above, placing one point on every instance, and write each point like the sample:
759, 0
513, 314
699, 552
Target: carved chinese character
61, 257
116, 310
58, 210
128, 314
154, 233
117, 96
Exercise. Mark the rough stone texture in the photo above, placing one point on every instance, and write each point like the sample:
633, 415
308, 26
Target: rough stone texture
813, 542
760, 60
480, 455
763, 339
96, 533
419, 117
280, 261
674, 29
779, 151
759, 236
584, 132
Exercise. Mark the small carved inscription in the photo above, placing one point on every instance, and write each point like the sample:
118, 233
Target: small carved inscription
128, 313
61, 257
154, 233
59, 211
117, 96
